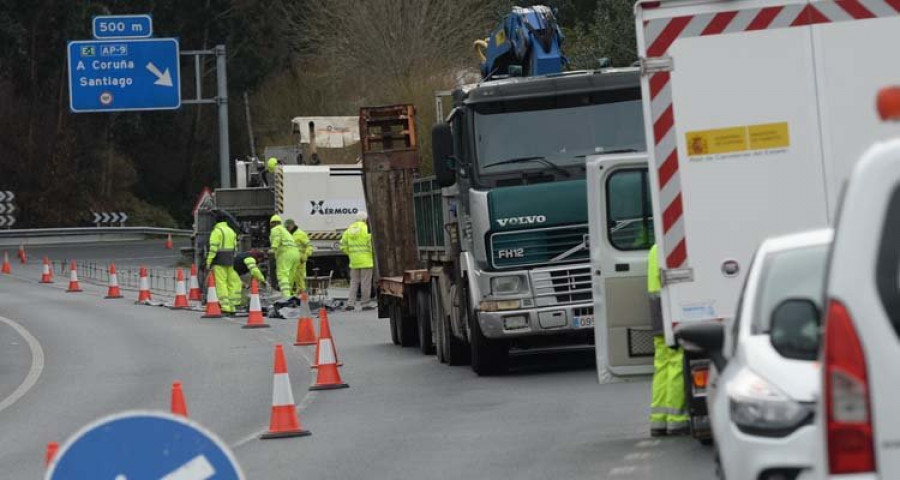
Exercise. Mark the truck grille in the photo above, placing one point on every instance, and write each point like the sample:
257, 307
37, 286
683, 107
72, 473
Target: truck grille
523, 248
562, 285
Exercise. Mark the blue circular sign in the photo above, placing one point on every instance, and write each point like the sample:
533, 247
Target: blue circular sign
143, 445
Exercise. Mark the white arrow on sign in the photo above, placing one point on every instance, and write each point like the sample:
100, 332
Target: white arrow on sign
124, 217
163, 79
96, 217
7, 220
7, 196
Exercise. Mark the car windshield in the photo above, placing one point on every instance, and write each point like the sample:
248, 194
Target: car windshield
525, 135
798, 273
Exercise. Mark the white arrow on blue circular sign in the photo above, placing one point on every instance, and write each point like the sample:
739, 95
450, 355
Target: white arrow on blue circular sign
144, 445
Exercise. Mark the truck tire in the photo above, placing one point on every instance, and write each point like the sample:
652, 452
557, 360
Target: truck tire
489, 357
407, 328
436, 313
394, 315
423, 318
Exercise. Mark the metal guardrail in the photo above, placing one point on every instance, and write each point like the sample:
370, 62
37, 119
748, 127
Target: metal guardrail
161, 279
50, 236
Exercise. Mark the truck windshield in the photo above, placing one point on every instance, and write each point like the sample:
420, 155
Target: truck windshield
562, 130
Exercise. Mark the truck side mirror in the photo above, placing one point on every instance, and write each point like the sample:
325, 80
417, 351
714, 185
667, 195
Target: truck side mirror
442, 154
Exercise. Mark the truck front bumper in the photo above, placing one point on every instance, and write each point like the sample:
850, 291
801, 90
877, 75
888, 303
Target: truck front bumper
555, 320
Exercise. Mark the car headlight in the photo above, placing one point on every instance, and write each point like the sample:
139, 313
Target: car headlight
506, 285
758, 408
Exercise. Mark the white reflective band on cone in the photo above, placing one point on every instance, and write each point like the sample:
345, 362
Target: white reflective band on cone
211, 295
114, 280
326, 352
254, 303
180, 289
281, 391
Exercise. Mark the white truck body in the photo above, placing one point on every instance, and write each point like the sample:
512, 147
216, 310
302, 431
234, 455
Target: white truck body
322, 199
755, 112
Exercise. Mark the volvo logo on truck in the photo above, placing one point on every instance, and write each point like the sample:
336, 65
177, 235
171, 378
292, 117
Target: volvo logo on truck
529, 220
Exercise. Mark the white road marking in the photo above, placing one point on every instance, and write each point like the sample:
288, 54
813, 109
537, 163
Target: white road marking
198, 468
646, 443
37, 365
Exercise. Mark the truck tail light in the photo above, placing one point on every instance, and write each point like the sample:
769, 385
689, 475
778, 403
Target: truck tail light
848, 418
888, 103
700, 376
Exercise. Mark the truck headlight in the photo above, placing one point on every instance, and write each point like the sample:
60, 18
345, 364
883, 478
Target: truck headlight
758, 408
508, 285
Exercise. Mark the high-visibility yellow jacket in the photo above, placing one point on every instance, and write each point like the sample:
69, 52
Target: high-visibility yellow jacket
244, 263
303, 243
222, 245
281, 240
653, 283
356, 242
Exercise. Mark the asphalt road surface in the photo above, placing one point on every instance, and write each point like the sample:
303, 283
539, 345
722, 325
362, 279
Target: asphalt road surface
67, 359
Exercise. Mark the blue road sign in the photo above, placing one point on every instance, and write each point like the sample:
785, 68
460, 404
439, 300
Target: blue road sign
123, 26
121, 75
141, 445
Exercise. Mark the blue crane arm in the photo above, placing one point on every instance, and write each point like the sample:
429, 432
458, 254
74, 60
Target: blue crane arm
528, 38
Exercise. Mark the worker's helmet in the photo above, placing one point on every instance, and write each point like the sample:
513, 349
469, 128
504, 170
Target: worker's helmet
271, 164
362, 216
275, 219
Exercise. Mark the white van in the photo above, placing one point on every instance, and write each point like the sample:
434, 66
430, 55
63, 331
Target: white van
755, 113
861, 384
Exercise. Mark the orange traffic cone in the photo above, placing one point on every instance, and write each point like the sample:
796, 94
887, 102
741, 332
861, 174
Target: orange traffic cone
325, 332
144, 291
306, 332
74, 286
213, 309
284, 421
23, 257
7, 268
114, 291
52, 448
181, 299
46, 274
169, 244
255, 319
179, 407
327, 375
194, 294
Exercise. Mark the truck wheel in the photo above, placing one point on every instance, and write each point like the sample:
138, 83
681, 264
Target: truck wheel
436, 313
455, 351
407, 329
489, 357
394, 314
423, 318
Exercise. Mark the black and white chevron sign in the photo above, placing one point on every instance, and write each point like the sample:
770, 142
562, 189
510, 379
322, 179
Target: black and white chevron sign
7, 209
110, 217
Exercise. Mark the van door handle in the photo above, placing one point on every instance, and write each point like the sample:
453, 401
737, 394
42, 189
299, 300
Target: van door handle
623, 267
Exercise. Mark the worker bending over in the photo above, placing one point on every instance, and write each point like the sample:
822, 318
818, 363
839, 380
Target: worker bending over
220, 261
287, 256
246, 265
306, 248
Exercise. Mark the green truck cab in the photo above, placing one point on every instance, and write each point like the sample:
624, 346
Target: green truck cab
502, 228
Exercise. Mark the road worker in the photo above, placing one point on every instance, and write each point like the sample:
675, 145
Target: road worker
668, 408
246, 265
356, 242
306, 248
287, 256
220, 262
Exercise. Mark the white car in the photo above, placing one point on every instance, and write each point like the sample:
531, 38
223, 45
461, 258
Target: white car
762, 397
859, 414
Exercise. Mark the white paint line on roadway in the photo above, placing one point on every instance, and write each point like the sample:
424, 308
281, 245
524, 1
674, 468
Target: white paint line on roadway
37, 365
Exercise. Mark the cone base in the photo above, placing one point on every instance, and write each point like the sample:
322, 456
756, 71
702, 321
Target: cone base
292, 433
113, 296
46, 281
207, 315
74, 291
304, 344
329, 387
257, 325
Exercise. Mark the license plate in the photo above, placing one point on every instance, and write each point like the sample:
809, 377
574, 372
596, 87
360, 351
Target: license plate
584, 322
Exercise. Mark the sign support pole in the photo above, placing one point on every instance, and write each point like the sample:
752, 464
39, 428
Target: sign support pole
222, 102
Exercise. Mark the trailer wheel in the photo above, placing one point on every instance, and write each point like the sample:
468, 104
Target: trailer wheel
394, 314
423, 318
407, 329
489, 357
456, 351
